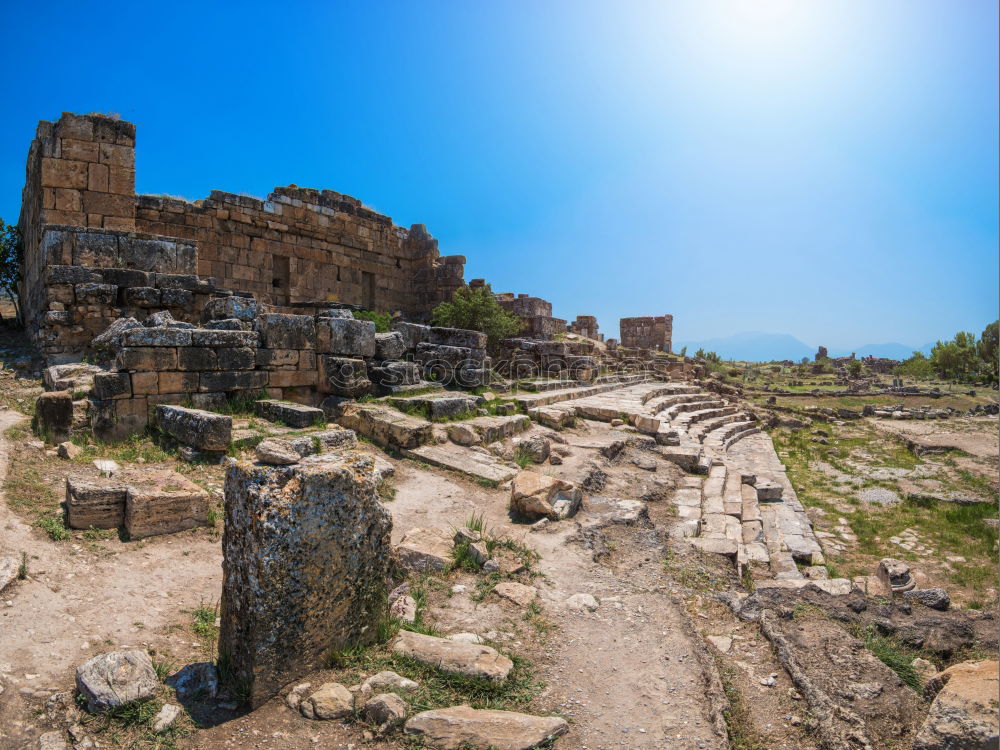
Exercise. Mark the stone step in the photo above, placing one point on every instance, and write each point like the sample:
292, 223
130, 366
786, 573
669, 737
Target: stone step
288, 412
542, 386
712, 489
732, 495
385, 426
703, 402
739, 436
494, 429
750, 506
530, 401
701, 429
469, 461
717, 438
685, 456
692, 418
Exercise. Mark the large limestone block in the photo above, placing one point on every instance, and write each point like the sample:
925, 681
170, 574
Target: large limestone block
389, 346
455, 657
343, 376
54, 415
222, 308
111, 339
964, 712
535, 495
292, 414
111, 680
346, 337
97, 502
463, 727
160, 501
282, 331
457, 337
306, 560
425, 550
200, 429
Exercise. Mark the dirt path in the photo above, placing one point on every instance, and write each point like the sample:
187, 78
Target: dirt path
76, 603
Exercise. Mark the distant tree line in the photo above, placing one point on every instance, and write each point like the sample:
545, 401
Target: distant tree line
962, 358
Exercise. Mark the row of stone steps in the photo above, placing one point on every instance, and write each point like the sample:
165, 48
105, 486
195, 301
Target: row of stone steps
530, 401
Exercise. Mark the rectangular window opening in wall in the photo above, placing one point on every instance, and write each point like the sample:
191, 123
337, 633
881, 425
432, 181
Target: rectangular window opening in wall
279, 280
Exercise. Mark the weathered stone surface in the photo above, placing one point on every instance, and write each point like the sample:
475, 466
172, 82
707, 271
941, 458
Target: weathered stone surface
97, 502
157, 337
386, 711
424, 550
292, 414
463, 434
582, 603
458, 337
281, 331
215, 338
535, 495
330, 701
392, 377
384, 426
342, 376
468, 659
161, 501
516, 592
111, 339
933, 598
387, 681
462, 727
306, 556
346, 337
240, 308
198, 680
389, 345
108, 385
277, 452
412, 333
964, 712
54, 415
165, 717
111, 680
895, 575
404, 609
68, 450
199, 429
536, 447
9, 569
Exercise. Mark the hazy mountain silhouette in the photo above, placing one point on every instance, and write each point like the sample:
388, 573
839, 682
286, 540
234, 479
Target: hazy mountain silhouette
758, 346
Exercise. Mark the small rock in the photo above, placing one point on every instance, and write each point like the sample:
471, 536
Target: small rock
933, 598
277, 452
53, 741
769, 681
925, 670
294, 697
404, 608
69, 450
491, 566
515, 592
330, 701
166, 716
582, 603
386, 711
466, 536
385, 682
113, 679
462, 726
722, 642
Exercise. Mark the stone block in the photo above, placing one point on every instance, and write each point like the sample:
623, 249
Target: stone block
209, 401
320, 524
389, 346
236, 358
108, 385
178, 382
233, 380
458, 337
412, 333
97, 502
280, 331
240, 308
294, 415
342, 376
126, 277
177, 298
292, 378
72, 275
54, 415
109, 681
535, 496
463, 726
216, 339
147, 358
199, 429
227, 324
162, 502
346, 337
145, 383
268, 358
141, 296
95, 294
391, 375
157, 337
196, 358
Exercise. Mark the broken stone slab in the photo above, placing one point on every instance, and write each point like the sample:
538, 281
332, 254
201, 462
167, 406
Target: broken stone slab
273, 633
463, 727
389, 346
385, 682
582, 603
199, 680
467, 659
161, 501
476, 464
620, 511
684, 457
277, 452
422, 550
54, 416
963, 714
220, 308
10, 568
288, 412
203, 430
535, 496
97, 502
404, 609
165, 717
331, 700
716, 546
934, 598
834, 586
515, 592
346, 337
768, 491
72, 376
111, 680
286, 331
385, 426
557, 419
111, 339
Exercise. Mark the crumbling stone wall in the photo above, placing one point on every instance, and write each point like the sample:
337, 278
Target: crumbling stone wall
584, 325
298, 249
536, 314
647, 333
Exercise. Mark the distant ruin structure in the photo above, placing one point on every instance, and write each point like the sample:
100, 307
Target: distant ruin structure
536, 314
585, 325
654, 333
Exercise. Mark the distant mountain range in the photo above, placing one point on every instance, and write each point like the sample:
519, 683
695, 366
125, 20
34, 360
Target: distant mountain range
756, 346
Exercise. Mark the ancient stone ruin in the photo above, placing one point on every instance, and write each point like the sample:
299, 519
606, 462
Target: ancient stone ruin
647, 333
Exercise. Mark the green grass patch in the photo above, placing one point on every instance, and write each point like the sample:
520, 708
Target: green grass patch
894, 655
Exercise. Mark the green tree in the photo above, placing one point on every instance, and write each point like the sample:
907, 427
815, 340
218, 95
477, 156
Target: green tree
917, 366
684, 351
854, 368
478, 310
989, 350
957, 359
10, 263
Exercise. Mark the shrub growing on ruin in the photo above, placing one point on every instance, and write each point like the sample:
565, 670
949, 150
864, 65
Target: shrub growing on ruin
477, 310
10, 263
381, 320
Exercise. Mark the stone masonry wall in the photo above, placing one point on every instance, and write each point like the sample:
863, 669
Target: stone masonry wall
647, 333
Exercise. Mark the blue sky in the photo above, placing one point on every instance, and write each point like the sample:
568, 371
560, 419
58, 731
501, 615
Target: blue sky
824, 168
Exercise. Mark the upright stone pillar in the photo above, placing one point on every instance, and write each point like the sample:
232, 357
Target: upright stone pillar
306, 563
